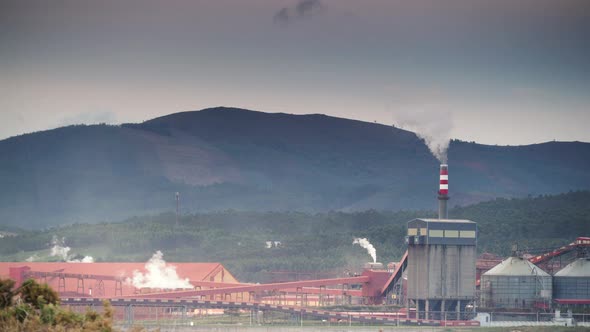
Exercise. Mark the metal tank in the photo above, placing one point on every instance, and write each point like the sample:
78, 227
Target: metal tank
516, 283
572, 283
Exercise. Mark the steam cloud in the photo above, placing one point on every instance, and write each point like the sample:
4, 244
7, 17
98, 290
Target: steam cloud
32, 258
59, 249
430, 124
364, 243
302, 9
159, 275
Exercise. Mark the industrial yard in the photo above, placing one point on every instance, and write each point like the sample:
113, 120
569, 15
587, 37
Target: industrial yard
439, 282
294, 165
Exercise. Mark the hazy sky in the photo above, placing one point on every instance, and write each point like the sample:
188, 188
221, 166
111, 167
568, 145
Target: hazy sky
504, 71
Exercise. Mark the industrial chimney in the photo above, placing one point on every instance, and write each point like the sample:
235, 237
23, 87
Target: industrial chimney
443, 192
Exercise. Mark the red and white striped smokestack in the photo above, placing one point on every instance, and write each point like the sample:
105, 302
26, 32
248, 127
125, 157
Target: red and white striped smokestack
443, 192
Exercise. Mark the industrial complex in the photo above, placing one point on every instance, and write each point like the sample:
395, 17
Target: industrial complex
439, 281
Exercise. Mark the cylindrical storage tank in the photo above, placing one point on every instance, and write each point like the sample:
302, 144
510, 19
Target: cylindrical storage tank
515, 283
573, 281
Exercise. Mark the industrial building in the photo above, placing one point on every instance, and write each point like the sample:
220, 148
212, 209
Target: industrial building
105, 279
441, 261
435, 279
441, 264
516, 283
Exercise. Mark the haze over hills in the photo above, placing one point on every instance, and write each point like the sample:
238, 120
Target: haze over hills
228, 158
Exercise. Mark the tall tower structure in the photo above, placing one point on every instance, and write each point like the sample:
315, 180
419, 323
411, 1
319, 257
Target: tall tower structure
177, 207
443, 192
441, 261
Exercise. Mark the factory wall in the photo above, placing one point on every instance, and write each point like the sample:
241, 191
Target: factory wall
441, 272
514, 292
573, 281
571, 288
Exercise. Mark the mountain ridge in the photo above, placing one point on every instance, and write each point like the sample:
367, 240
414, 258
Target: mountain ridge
231, 158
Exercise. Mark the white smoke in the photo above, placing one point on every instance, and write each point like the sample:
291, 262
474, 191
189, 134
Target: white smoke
159, 275
432, 123
364, 243
59, 249
85, 259
32, 258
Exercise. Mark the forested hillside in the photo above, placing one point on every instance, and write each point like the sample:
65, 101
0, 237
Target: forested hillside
227, 158
308, 242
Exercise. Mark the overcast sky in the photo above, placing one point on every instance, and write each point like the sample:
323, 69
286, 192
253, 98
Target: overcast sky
503, 71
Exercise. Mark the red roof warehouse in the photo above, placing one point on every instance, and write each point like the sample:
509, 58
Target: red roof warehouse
105, 279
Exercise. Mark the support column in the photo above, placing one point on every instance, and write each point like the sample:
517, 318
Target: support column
118, 287
61, 284
442, 310
426, 308
299, 296
458, 309
80, 286
345, 288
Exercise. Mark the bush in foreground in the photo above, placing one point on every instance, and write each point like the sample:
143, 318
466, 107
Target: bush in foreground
35, 307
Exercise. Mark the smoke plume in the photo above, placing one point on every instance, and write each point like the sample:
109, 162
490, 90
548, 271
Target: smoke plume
432, 124
303, 9
32, 258
364, 243
60, 250
159, 275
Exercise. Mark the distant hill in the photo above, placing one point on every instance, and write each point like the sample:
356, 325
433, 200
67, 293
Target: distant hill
228, 158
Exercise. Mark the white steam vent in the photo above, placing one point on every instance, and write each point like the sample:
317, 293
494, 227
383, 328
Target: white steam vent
59, 249
364, 243
159, 275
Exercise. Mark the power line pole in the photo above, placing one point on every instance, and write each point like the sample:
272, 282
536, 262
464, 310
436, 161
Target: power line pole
177, 207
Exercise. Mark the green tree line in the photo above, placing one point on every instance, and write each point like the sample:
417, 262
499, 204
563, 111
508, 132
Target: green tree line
305, 241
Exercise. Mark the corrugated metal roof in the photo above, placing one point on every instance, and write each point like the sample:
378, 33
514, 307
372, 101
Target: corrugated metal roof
448, 220
516, 266
192, 271
578, 268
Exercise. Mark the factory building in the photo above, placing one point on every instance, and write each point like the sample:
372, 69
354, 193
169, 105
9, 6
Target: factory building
441, 264
516, 283
441, 261
571, 285
106, 279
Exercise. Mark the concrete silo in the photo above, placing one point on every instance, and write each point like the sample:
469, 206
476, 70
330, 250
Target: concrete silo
515, 283
571, 285
441, 265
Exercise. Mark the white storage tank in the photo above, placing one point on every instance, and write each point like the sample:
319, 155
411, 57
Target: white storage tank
573, 282
516, 283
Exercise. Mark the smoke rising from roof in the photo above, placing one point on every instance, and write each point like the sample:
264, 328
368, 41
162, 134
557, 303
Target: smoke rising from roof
159, 275
60, 250
364, 243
